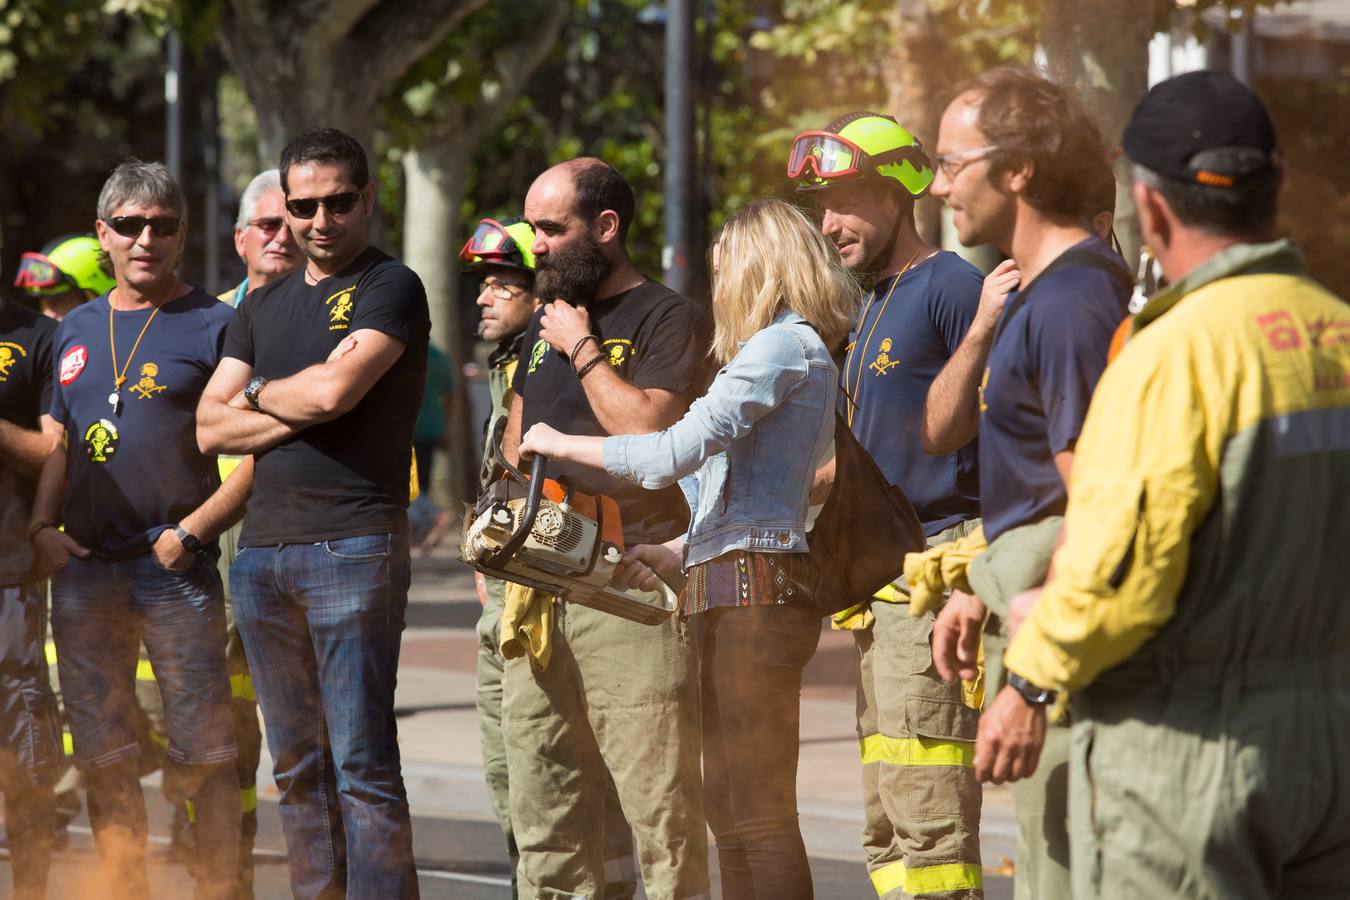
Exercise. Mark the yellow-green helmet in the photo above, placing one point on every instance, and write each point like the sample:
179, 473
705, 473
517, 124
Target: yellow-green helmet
71, 262
856, 146
505, 243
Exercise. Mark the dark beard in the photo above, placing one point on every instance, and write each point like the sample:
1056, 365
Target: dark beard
573, 275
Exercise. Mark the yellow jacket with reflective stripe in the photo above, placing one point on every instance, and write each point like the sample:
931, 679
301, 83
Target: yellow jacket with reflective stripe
1208, 527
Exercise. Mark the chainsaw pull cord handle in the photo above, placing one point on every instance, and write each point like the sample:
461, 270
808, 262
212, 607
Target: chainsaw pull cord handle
532, 498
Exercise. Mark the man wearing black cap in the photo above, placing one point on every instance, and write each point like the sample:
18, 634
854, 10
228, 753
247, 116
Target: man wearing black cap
1197, 608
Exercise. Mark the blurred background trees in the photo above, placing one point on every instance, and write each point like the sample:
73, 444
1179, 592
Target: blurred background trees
463, 102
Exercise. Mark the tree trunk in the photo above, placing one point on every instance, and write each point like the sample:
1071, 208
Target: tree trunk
914, 82
1099, 50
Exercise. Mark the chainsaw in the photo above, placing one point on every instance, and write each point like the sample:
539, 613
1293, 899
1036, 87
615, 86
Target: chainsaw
538, 532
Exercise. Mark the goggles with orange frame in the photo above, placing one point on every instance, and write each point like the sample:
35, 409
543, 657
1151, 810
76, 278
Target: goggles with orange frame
489, 241
830, 156
39, 275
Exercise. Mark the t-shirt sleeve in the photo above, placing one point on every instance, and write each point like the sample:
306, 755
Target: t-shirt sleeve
392, 300
42, 369
1069, 339
527, 353
672, 350
238, 336
953, 302
218, 320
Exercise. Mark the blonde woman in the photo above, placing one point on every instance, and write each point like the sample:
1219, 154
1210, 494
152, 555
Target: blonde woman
781, 299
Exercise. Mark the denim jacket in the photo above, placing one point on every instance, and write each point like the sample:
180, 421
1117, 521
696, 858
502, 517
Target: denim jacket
754, 439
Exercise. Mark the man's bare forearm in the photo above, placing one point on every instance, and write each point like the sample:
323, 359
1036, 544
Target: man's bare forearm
222, 428
952, 411
224, 507
22, 450
619, 407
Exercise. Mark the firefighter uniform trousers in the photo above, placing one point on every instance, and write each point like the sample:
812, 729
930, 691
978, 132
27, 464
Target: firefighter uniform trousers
621, 697
921, 802
620, 867
1018, 560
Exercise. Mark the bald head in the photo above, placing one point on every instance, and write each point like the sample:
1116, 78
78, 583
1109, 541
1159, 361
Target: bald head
593, 188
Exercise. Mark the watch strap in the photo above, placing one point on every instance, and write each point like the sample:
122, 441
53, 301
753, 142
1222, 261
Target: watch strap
1034, 695
188, 540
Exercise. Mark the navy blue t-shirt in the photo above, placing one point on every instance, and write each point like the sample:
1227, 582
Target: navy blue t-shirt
907, 332
135, 471
1042, 369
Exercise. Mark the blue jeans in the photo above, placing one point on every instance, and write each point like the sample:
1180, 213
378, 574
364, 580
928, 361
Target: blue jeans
321, 625
101, 611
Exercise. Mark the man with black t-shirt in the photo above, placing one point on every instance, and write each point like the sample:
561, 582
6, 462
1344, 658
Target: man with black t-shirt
1018, 161
142, 508
610, 352
30, 735
321, 382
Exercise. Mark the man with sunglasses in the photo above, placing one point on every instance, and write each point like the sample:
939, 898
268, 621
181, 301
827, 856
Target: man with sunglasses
322, 376
142, 508
30, 734
921, 800
1020, 164
68, 272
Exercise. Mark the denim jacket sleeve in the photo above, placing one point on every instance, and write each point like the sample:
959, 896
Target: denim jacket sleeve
768, 370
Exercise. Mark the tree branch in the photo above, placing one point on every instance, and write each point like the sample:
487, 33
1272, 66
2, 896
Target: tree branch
399, 34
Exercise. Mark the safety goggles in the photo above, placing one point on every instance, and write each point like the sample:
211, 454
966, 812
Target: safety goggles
308, 207
39, 275
133, 226
831, 156
489, 241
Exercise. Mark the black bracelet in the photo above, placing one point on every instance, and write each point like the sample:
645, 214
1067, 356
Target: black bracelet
40, 526
581, 373
573, 355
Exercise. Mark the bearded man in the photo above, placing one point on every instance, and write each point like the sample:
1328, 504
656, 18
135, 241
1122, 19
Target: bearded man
609, 352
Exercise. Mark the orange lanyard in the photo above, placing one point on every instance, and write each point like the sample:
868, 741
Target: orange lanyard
119, 378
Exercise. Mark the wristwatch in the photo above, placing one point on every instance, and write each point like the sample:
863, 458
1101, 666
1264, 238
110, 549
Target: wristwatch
188, 540
254, 388
1030, 693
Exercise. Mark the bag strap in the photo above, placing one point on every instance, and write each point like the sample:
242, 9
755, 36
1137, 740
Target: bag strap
1077, 256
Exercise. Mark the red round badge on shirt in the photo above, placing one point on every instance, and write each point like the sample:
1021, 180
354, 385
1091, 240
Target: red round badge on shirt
72, 364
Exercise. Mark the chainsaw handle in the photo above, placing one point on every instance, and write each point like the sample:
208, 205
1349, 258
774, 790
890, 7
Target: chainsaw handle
534, 494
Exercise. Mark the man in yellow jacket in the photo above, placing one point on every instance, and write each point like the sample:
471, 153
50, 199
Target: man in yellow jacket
1197, 607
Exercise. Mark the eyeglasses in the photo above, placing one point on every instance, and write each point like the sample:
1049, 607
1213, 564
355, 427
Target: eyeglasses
269, 225
337, 204
951, 164
39, 275
133, 226
503, 290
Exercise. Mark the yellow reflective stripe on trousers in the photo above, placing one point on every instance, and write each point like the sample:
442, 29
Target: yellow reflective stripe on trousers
67, 742
248, 799
927, 879
51, 652
241, 686
917, 751
144, 671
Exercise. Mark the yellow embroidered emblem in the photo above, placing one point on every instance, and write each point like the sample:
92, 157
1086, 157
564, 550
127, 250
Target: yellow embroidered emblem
100, 441
146, 387
7, 358
883, 363
340, 309
618, 350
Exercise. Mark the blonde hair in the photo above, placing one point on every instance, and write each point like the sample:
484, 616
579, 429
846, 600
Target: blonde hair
770, 256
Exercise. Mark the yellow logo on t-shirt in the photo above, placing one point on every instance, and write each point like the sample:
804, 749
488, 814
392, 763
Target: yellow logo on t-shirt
883, 363
537, 355
617, 350
340, 311
146, 387
8, 359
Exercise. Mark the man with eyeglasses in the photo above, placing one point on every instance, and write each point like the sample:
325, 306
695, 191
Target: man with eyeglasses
261, 237
921, 801
142, 508
1020, 164
322, 376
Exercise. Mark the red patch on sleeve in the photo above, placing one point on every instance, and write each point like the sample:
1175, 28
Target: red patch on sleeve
72, 364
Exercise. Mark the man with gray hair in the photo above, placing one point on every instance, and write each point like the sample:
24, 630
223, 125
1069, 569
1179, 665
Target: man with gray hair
262, 238
142, 508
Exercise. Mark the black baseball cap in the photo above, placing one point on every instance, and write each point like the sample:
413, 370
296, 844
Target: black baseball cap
1202, 127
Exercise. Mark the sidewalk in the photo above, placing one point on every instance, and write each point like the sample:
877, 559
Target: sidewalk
438, 725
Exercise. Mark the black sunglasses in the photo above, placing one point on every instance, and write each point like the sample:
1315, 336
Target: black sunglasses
132, 226
337, 204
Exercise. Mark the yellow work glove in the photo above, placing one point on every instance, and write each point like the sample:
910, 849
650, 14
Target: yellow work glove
527, 624
938, 570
